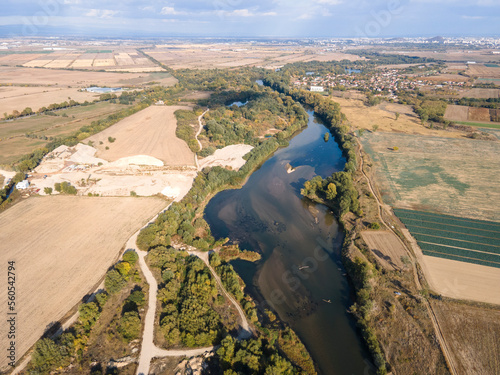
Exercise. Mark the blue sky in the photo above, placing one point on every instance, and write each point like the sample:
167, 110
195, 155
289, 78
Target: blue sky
252, 18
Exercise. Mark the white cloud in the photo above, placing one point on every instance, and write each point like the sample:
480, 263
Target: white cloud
101, 13
328, 2
168, 11
248, 13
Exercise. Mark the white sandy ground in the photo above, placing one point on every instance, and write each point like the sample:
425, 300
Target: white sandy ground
142, 174
6, 175
230, 156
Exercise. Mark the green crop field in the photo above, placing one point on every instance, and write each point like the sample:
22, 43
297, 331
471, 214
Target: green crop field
458, 177
456, 238
491, 125
14, 143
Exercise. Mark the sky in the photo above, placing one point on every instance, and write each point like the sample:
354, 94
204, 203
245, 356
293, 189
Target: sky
250, 18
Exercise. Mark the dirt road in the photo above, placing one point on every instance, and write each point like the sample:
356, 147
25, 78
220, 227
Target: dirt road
197, 140
244, 331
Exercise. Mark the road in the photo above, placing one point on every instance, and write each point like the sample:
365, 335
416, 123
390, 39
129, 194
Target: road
197, 140
244, 332
437, 328
148, 349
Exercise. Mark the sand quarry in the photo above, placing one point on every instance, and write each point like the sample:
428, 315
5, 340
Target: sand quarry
63, 245
146, 158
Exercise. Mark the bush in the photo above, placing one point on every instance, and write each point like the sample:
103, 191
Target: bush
374, 225
47, 190
130, 256
111, 139
114, 282
130, 325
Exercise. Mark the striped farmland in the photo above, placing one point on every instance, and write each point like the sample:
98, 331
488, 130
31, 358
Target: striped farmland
456, 238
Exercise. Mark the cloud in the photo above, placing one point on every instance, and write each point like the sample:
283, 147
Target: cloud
328, 2
248, 13
101, 13
168, 11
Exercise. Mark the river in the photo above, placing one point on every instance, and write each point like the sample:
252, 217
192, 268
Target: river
300, 274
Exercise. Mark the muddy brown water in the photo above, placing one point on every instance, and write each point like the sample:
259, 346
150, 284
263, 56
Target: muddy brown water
300, 274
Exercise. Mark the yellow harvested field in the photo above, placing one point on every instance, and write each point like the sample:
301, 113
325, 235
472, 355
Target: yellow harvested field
139, 70
104, 62
37, 63
19, 59
51, 77
482, 71
386, 247
472, 334
62, 247
18, 98
58, 64
383, 115
83, 63
149, 132
462, 280
203, 56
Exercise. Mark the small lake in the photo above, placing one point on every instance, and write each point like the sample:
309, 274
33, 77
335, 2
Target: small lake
350, 71
300, 275
239, 104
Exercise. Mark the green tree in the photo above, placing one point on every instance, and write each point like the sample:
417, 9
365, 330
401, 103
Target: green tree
47, 190
397, 116
114, 282
130, 325
331, 191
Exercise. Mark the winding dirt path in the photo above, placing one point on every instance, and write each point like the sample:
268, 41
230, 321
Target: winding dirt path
437, 328
244, 332
197, 140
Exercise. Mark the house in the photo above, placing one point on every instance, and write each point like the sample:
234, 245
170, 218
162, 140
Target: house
22, 185
317, 89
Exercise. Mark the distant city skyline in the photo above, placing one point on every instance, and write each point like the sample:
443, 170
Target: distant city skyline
254, 18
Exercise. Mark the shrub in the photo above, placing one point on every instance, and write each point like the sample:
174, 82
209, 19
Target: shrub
375, 225
130, 257
114, 282
111, 139
130, 325
47, 190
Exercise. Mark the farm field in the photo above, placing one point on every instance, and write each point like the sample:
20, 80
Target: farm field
14, 143
149, 132
455, 238
383, 115
106, 59
459, 177
63, 246
480, 93
489, 125
470, 114
472, 333
456, 55
18, 98
482, 71
206, 56
386, 247
61, 78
